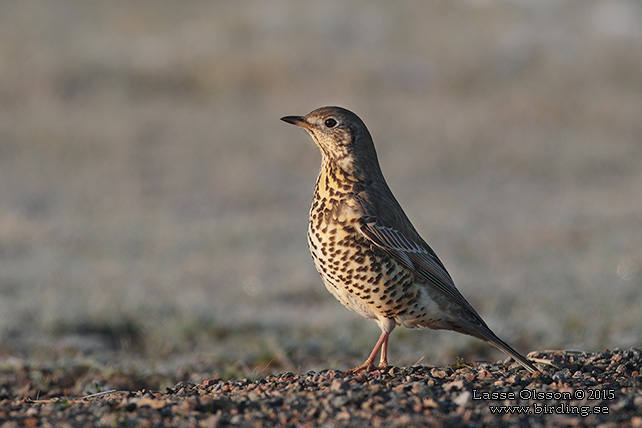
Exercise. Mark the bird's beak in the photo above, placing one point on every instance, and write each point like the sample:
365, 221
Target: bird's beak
295, 120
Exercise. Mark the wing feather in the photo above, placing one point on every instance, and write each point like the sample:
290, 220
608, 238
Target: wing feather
416, 255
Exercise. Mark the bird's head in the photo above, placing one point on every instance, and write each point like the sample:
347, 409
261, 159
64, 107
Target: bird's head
340, 135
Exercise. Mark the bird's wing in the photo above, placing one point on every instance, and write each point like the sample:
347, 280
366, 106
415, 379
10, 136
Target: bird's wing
386, 227
415, 254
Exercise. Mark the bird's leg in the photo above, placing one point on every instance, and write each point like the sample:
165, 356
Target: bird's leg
382, 344
383, 362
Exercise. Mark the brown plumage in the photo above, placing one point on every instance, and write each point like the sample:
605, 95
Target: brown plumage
368, 253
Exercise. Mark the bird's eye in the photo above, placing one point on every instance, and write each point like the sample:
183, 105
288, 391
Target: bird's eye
330, 123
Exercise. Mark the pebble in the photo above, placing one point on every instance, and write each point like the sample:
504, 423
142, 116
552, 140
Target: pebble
394, 397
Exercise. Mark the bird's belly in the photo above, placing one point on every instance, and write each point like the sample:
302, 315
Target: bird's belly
368, 281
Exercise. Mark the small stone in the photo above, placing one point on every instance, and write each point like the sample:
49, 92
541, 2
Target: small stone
457, 384
484, 374
430, 402
417, 387
210, 422
151, 402
253, 396
438, 373
462, 398
210, 382
339, 401
343, 415
337, 385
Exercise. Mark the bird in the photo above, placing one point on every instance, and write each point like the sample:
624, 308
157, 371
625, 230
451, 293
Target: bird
368, 253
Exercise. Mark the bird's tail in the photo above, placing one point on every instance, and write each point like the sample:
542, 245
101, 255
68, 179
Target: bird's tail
487, 335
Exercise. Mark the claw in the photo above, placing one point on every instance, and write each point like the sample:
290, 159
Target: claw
382, 344
367, 366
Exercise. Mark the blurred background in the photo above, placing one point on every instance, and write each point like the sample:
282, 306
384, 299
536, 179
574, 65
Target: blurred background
153, 208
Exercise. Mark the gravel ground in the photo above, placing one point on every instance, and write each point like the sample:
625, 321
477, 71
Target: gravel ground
574, 389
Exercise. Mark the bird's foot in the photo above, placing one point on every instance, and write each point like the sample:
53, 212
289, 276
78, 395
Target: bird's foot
367, 366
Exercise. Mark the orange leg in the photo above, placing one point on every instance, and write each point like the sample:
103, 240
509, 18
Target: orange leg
383, 362
382, 344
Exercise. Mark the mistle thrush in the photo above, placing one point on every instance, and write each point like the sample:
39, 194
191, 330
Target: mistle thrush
367, 251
